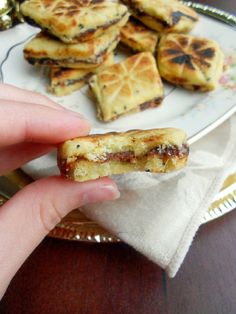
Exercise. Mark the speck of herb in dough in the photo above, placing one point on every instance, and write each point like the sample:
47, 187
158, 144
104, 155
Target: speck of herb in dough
147, 170
81, 26
125, 107
78, 146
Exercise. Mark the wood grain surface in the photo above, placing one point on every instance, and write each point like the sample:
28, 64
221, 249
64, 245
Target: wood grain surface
72, 277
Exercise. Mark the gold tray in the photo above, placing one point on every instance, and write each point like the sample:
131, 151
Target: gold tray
76, 226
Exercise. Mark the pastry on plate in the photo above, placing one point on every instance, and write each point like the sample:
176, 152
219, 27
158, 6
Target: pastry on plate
192, 62
64, 81
138, 37
164, 15
130, 86
74, 21
90, 157
49, 51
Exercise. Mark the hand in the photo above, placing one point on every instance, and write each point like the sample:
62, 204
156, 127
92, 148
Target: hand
32, 125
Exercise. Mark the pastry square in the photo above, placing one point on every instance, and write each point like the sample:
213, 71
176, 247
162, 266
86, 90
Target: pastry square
74, 21
49, 51
164, 15
64, 81
138, 37
192, 62
90, 157
126, 87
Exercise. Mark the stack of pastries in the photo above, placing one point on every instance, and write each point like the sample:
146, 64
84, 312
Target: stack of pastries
77, 38
77, 42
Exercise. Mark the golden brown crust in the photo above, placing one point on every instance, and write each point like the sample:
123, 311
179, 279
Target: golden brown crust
163, 16
192, 62
75, 20
144, 106
49, 51
138, 37
90, 157
123, 87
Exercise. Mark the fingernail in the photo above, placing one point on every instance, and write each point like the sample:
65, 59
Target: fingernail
100, 194
81, 117
114, 192
84, 124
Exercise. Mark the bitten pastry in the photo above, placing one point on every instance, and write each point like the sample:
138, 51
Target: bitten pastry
191, 62
74, 21
64, 81
46, 50
163, 15
90, 157
129, 86
138, 37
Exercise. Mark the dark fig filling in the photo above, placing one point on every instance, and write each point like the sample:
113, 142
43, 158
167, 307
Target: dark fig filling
165, 153
70, 82
60, 62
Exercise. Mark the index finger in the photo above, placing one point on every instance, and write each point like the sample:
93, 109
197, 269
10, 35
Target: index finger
24, 122
12, 93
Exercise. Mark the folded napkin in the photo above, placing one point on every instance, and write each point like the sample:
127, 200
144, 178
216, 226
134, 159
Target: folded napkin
159, 214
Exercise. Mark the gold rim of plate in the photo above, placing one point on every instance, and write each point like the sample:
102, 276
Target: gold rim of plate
77, 227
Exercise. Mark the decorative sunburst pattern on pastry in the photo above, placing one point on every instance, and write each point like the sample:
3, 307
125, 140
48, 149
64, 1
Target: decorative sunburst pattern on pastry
164, 15
131, 85
75, 20
192, 62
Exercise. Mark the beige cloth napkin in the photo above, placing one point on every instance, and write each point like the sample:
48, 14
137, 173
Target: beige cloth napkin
157, 214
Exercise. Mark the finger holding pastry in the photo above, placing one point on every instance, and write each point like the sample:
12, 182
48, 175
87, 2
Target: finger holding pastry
29, 130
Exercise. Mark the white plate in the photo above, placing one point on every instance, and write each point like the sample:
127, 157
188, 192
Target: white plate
197, 113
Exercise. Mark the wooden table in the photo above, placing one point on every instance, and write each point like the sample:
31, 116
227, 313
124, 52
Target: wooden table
72, 277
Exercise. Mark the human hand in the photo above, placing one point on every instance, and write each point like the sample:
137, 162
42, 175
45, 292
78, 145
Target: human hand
32, 125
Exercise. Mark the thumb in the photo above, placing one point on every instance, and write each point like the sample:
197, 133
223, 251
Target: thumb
28, 217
